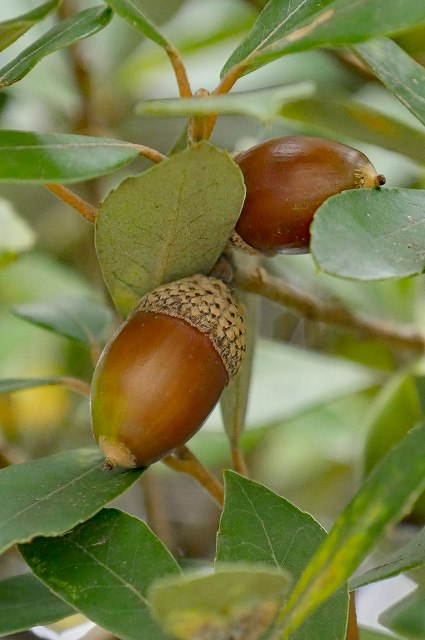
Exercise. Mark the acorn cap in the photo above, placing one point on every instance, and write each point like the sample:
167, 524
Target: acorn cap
208, 305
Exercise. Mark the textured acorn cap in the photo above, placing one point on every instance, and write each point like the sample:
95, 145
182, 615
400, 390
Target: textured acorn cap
208, 305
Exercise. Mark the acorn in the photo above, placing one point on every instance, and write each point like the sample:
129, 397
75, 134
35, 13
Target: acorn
163, 371
287, 179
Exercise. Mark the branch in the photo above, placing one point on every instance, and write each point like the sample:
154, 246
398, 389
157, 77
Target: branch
352, 628
260, 282
179, 71
223, 88
185, 461
86, 210
147, 152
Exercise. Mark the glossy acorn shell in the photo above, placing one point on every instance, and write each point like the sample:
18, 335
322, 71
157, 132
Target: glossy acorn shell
160, 375
287, 179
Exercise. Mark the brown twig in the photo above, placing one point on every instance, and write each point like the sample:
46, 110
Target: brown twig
185, 461
260, 282
238, 459
147, 152
352, 627
86, 210
196, 128
75, 384
223, 88
179, 71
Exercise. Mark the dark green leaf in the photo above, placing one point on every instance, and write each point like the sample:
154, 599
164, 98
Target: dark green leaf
278, 18
340, 22
26, 156
25, 602
171, 221
411, 555
371, 234
407, 617
353, 120
264, 104
16, 235
238, 600
50, 496
11, 30
63, 34
104, 568
78, 318
259, 526
134, 14
404, 77
387, 493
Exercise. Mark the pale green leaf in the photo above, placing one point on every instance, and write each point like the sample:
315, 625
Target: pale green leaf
368, 234
353, 120
236, 599
170, 222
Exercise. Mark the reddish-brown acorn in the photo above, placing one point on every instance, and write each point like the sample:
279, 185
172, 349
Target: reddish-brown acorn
287, 179
162, 373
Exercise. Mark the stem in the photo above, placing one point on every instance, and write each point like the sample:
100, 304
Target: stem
75, 384
238, 459
85, 209
185, 461
179, 71
260, 282
157, 513
196, 128
151, 154
223, 88
352, 628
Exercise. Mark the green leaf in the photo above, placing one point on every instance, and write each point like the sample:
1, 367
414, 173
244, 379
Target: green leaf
170, 222
10, 385
410, 555
278, 18
234, 399
238, 600
80, 319
134, 14
263, 104
353, 120
372, 634
25, 602
387, 493
11, 30
259, 526
404, 77
369, 234
16, 235
63, 34
407, 616
104, 568
337, 23
27, 156
49, 496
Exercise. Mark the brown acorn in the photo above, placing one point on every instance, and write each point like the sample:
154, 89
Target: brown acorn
163, 371
287, 179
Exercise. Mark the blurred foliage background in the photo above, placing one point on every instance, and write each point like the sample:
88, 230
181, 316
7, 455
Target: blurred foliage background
322, 397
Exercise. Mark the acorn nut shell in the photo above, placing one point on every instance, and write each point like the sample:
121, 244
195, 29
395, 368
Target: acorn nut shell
163, 371
287, 179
